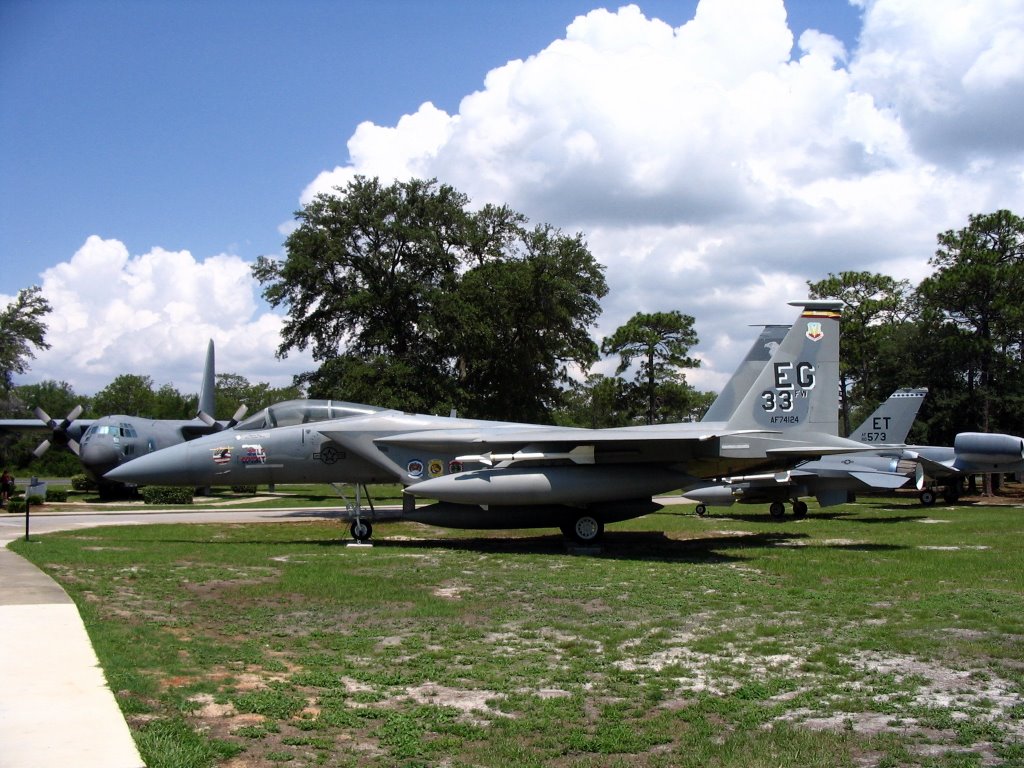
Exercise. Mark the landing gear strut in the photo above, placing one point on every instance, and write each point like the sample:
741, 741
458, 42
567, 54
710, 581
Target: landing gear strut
361, 529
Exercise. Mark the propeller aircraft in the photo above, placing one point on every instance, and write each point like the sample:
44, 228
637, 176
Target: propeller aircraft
111, 441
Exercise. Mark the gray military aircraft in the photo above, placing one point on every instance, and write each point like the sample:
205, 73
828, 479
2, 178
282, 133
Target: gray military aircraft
973, 453
488, 474
111, 441
830, 478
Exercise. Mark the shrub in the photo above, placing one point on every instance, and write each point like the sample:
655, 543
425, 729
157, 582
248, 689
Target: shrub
83, 483
166, 494
250, 489
16, 506
56, 494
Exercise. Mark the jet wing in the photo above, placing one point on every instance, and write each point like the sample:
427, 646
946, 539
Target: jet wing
654, 443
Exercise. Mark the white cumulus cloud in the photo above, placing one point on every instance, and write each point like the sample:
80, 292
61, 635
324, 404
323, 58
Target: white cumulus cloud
153, 314
715, 171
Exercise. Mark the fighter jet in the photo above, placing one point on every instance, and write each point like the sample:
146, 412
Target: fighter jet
830, 478
488, 474
111, 441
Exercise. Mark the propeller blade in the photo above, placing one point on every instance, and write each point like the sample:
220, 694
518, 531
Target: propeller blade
239, 416
75, 413
44, 417
206, 418
42, 448
74, 447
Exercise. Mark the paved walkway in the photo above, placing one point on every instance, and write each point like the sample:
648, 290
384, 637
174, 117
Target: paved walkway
55, 707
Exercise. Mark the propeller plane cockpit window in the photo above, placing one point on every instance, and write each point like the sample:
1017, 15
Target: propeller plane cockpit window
293, 412
115, 430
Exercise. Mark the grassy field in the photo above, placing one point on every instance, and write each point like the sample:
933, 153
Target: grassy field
880, 633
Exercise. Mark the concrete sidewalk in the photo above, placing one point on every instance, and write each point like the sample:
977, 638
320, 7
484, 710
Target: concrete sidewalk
56, 709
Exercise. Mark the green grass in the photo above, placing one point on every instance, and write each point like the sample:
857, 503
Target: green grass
862, 635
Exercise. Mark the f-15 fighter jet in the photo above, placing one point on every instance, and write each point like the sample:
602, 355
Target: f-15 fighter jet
489, 474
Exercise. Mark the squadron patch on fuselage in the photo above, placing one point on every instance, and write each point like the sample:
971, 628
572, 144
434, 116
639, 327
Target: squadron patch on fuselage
253, 454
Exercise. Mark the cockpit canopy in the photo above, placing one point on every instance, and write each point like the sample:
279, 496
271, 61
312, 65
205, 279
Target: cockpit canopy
292, 412
122, 429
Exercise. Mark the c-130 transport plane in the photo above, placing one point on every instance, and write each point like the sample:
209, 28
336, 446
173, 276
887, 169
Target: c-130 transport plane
487, 474
111, 441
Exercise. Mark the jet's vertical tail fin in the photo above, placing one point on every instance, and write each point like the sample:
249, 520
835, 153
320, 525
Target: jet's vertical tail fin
891, 421
758, 355
207, 401
798, 390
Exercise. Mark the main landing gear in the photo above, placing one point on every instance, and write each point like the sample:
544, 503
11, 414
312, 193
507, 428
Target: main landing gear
585, 529
950, 494
778, 510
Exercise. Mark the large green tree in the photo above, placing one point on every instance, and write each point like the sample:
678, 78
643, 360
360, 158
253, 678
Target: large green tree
518, 323
22, 331
873, 306
409, 299
233, 390
128, 394
660, 342
974, 300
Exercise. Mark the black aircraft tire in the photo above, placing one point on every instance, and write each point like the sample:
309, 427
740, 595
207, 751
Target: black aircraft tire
777, 509
927, 497
585, 529
701, 509
361, 530
799, 509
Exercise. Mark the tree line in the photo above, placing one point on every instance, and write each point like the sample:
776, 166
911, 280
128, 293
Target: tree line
409, 299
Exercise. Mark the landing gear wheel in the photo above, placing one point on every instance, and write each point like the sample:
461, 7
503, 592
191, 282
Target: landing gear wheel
585, 529
777, 509
361, 530
799, 509
927, 497
701, 509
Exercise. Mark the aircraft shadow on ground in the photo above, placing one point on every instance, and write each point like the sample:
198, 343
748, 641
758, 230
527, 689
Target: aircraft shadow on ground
848, 517
617, 545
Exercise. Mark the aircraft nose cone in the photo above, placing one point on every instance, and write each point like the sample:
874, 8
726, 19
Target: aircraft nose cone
98, 458
168, 466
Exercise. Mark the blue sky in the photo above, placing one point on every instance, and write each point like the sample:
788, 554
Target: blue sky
197, 128
196, 124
